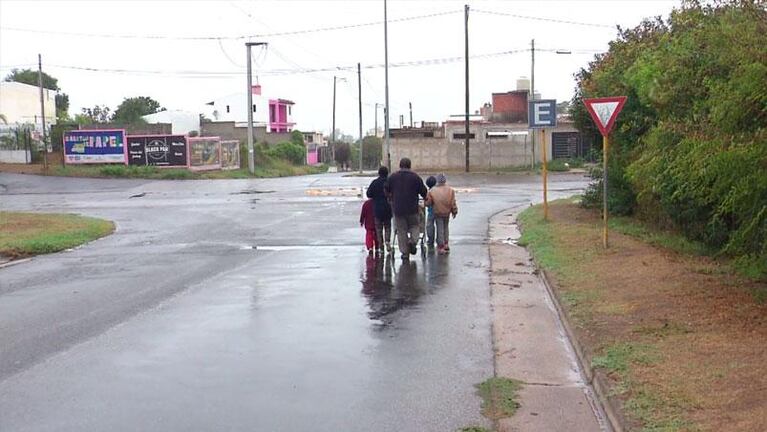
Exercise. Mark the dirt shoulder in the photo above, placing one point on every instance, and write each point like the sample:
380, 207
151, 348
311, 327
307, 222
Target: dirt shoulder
27, 234
678, 338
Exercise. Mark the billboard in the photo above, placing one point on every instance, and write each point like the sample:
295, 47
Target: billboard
204, 153
230, 155
95, 146
157, 150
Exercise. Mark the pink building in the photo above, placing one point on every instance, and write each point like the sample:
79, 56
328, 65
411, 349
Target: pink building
280, 115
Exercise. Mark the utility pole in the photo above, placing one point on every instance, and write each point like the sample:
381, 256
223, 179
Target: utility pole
251, 155
333, 129
386, 88
466, 34
359, 103
410, 105
42, 111
532, 94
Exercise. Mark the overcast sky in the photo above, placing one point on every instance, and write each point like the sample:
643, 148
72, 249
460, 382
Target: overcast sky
184, 74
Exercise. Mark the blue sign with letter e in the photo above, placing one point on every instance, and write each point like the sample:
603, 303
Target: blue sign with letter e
542, 114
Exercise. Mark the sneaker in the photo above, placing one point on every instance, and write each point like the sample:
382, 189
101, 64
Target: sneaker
370, 251
379, 251
441, 250
388, 247
413, 248
405, 257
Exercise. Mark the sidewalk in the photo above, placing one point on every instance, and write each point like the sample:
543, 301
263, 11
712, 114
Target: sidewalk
530, 344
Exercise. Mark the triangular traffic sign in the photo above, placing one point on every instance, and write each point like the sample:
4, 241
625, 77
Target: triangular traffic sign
604, 111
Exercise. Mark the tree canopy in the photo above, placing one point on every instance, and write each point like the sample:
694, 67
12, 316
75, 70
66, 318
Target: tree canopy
691, 143
132, 109
29, 76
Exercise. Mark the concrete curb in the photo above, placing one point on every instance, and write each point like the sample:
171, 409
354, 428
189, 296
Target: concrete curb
596, 380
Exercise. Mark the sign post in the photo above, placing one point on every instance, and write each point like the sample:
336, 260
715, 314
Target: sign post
604, 111
541, 114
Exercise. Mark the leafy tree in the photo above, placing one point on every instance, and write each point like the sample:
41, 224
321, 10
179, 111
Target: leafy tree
97, 114
132, 109
689, 149
297, 137
29, 76
62, 107
342, 153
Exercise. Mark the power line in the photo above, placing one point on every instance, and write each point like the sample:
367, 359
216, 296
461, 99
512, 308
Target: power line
240, 37
535, 18
300, 70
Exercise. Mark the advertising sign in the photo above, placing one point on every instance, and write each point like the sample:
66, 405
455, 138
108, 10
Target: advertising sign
157, 150
95, 146
230, 155
542, 114
204, 153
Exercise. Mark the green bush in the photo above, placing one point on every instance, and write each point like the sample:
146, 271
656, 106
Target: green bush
288, 151
689, 150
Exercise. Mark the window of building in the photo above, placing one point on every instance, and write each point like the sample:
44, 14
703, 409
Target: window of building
227, 108
254, 107
289, 111
460, 136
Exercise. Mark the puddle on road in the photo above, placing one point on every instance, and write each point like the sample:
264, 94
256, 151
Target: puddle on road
251, 192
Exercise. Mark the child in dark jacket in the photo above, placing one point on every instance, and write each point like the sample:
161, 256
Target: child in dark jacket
367, 220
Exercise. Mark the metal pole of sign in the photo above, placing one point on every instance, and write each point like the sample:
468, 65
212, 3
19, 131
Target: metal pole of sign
605, 144
466, 76
545, 176
42, 110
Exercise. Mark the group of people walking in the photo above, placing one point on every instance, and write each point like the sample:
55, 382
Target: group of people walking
399, 196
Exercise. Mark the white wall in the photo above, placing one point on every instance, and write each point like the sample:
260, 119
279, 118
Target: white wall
15, 156
182, 122
20, 103
237, 111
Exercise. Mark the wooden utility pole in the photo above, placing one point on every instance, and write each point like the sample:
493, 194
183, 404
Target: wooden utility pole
466, 35
359, 94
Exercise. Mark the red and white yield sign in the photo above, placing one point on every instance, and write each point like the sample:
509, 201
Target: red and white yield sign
604, 111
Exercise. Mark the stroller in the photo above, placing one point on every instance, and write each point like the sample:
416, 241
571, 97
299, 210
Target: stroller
421, 224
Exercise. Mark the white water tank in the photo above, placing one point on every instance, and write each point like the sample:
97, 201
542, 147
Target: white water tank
523, 83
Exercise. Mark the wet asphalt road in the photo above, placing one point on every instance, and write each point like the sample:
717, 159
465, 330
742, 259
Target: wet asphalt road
246, 305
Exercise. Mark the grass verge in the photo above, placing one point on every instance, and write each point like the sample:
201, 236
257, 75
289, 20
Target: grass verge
26, 234
276, 168
499, 397
669, 327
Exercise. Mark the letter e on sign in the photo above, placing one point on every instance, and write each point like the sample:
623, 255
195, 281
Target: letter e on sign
542, 113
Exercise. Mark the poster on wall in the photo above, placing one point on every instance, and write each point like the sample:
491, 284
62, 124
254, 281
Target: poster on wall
157, 150
205, 153
95, 146
230, 155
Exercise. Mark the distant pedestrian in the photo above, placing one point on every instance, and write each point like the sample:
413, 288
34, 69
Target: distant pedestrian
442, 200
404, 187
367, 220
382, 209
430, 182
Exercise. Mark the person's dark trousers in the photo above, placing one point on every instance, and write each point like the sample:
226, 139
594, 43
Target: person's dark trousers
383, 232
407, 232
443, 230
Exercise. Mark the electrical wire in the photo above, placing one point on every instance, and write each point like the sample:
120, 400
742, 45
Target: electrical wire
285, 71
535, 18
240, 37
